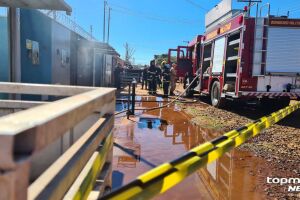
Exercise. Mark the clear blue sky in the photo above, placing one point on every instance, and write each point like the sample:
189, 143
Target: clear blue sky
153, 26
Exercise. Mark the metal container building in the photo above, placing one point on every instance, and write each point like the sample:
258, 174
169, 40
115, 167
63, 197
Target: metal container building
4, 48
36, 35
95, 64
49, 45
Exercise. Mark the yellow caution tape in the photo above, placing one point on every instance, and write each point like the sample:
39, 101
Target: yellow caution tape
87, 185
165, 176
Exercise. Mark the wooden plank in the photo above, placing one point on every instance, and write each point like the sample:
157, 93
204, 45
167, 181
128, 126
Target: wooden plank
16, 104
87, 178
57, 179
26, 132
103, 184
14, 183
104, 181
42, 89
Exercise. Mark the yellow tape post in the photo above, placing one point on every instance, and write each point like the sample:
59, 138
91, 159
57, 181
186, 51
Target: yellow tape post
165, 176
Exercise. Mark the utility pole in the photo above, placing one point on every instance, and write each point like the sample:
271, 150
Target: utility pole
104, 19
108, 31
249, 4
249, 8
91, 31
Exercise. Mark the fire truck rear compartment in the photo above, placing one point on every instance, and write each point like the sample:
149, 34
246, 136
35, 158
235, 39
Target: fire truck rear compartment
282, 67
231, 64
283, 50
207, 57
207, 54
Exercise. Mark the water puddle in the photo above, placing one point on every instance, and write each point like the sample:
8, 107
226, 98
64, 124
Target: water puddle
157, 136
123, 103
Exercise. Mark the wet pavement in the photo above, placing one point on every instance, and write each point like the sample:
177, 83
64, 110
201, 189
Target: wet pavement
159, 136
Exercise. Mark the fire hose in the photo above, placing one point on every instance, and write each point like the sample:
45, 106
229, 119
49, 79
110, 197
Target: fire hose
166, 105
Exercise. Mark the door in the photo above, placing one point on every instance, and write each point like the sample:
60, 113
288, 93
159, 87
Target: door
184, 61
108, 70
85, 67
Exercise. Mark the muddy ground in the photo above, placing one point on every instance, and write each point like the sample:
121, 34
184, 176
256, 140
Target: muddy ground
279, 146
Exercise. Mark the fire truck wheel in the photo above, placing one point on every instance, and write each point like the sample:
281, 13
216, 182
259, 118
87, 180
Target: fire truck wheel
189, 93
215, 95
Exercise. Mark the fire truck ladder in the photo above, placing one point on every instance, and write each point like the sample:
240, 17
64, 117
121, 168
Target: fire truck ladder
260, 41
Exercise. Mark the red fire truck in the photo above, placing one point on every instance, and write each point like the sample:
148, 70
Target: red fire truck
244, 57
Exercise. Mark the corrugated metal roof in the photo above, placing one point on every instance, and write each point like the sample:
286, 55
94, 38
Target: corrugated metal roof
99, 47
37, 4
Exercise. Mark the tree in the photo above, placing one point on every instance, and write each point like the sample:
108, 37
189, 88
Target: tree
129, 52
163, 57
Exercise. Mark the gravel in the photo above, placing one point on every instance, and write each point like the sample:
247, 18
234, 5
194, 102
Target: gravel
279, 145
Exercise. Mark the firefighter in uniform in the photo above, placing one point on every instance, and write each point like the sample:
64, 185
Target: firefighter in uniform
173, 73
145, 78
152, 77
159, 71
166, 74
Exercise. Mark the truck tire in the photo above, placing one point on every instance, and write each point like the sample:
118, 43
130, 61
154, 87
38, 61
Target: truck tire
215, 95
189, 93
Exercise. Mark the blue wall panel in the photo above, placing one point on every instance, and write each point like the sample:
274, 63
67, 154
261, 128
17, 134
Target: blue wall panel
36, 26
61, 39
4, 52
4, 59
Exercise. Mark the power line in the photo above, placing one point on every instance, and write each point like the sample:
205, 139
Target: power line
128, 11
196, 5
292, 7
296, 9
154, 17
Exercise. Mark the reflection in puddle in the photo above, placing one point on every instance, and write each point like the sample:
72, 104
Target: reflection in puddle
162, 135
150, 123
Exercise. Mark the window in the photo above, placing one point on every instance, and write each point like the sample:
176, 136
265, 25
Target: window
218, 55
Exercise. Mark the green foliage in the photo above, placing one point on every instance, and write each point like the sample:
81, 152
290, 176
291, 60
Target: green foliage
163, 57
